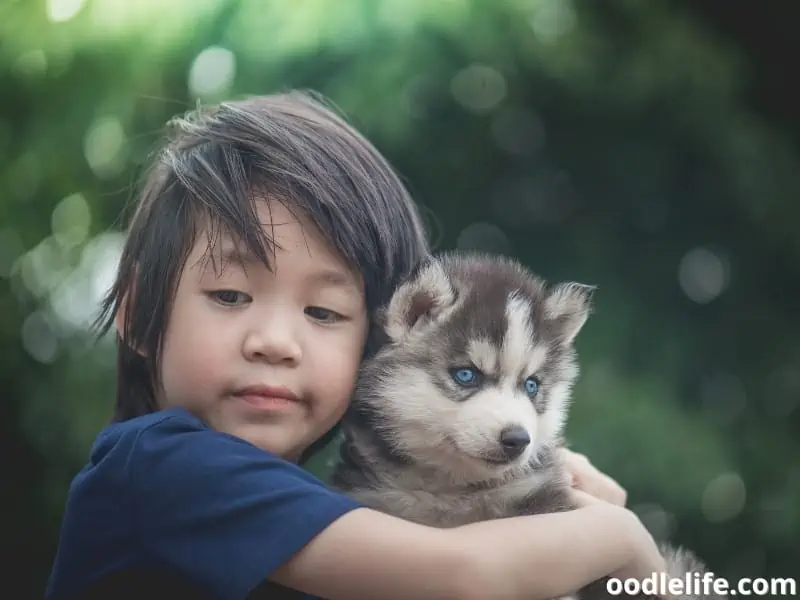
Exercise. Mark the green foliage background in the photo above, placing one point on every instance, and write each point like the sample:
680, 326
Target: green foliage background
605, 142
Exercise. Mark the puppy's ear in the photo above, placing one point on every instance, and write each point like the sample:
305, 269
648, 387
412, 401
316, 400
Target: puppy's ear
569, 305
425, 297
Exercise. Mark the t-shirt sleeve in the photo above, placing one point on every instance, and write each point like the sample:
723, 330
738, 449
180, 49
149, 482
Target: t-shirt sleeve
220, 510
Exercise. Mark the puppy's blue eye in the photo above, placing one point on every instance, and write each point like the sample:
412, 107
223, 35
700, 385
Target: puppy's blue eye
466, 376
531, 386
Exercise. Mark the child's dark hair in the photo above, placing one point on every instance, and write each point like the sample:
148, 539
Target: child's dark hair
214, 164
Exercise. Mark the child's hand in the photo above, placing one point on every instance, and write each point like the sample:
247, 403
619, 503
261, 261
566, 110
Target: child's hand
645, 557
586, 477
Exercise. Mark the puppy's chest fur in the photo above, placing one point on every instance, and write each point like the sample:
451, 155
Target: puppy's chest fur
436, 500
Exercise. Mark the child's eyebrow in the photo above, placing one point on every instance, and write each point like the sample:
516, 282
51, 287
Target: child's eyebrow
217, 258
323, 276
334, 278
230, 254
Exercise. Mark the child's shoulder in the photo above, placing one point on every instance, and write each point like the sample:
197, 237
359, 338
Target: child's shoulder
174, 419
173, 447
168, 491
122, 439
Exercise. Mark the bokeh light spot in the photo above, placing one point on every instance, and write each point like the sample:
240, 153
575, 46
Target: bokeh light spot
38, 338
553, 19
703, 275
71, 220
478, 88
42, 267
77, 300
212, 72
724, 497
103, 147
63, 10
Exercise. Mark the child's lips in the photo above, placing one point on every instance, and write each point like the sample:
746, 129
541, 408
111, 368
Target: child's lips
268, 397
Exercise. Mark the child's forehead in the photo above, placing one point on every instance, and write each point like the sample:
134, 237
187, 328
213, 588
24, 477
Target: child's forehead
215, 251
255, 232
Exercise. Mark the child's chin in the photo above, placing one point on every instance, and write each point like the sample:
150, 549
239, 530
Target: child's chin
270, 437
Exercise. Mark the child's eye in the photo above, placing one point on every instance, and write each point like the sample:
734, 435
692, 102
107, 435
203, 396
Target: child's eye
229, 297
323, 314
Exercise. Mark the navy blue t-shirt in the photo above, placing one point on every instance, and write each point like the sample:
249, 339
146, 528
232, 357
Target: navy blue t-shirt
169, 503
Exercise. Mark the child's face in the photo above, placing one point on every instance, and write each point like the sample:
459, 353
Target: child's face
238, 334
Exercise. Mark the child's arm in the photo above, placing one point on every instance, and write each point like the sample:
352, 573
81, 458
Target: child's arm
543, 556
230, 516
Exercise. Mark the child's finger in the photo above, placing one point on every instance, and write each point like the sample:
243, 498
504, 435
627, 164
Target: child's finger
588, 478
583, 499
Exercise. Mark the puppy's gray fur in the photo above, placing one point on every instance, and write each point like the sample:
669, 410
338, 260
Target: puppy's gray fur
422, 446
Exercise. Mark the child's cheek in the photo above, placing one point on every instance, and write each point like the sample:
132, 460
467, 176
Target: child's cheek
197, 355
341, 369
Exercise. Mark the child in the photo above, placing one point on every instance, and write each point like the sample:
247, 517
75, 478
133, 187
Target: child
267, 233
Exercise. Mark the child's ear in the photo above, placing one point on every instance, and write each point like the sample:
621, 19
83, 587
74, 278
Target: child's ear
569, 304
424, 298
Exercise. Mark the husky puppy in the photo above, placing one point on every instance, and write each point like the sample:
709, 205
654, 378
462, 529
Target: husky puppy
458, 415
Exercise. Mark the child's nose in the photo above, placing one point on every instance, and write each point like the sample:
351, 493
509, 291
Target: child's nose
273, 341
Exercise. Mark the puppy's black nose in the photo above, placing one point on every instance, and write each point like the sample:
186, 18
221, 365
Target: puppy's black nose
514, 440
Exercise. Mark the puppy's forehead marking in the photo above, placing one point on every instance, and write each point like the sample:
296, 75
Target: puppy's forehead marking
519, 355
536, 359
483, 354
